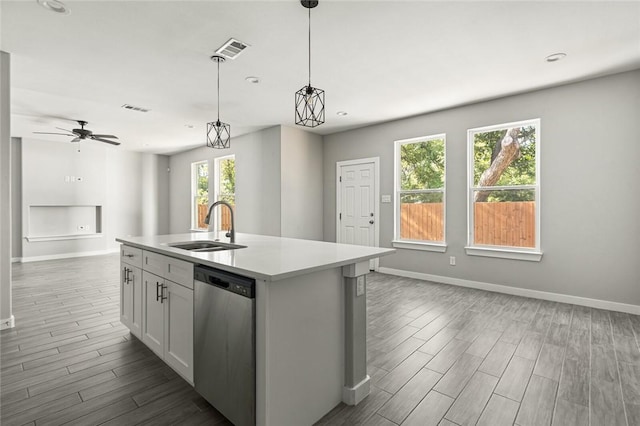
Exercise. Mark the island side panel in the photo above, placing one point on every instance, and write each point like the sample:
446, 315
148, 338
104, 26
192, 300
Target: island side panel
299, 348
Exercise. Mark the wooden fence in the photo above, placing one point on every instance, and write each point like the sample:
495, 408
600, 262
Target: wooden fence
499, 223
203, 209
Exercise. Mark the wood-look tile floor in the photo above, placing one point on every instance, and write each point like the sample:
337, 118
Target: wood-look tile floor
438, 355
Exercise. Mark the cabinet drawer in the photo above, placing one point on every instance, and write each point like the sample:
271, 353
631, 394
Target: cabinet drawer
131, 255
155, 263
176, 270
180, 272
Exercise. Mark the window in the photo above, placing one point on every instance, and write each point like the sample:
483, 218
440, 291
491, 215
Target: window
420, 193
199, 194
504, 191
225, 190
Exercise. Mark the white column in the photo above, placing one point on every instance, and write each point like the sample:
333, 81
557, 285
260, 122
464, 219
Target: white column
6, 315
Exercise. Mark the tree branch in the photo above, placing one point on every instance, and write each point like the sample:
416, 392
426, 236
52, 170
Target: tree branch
509, 150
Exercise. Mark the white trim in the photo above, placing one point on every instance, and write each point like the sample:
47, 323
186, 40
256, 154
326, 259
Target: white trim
193, 189
215, 224
354, 395
68, 255
419, 245
16, 259
198, 230
536, 122
376, 201
518, 291
63, 237
7, 323
533, 256
397, 191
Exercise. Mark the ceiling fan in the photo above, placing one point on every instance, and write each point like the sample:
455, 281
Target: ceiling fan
82, 134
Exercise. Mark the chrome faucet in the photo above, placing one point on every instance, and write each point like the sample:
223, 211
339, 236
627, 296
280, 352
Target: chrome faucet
232, 232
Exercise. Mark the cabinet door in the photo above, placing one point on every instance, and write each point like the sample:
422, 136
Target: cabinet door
135, 282
178, 345
126, 295
153, 312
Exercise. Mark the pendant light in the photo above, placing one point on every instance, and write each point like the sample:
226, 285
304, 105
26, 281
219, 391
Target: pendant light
309, 100
218, 133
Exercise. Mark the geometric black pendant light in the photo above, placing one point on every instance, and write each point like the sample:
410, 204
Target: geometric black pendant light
218, 133
309, 100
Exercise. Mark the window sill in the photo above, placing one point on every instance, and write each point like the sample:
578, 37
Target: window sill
198, 230
531, 256
32, 239
416, 245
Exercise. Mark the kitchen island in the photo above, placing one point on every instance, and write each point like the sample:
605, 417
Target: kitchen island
310, 316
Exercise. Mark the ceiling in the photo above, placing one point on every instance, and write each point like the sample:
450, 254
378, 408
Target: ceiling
378, 61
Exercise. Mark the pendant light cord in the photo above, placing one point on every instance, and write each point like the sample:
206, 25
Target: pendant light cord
309, 47
218, 90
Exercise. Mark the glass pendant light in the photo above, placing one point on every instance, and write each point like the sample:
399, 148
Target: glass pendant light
309, 100
218, 133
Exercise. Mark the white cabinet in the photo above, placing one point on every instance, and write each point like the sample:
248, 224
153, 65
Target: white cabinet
131, 298
178, 329
168, 322
156, 303
153, 310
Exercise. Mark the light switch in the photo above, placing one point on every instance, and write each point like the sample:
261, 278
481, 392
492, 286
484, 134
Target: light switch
386, 198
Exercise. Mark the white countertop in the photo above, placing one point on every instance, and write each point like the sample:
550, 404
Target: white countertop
267, 258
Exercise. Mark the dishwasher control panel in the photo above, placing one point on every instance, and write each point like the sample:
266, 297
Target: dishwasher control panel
229, 281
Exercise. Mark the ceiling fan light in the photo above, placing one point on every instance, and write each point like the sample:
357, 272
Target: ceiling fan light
218, 135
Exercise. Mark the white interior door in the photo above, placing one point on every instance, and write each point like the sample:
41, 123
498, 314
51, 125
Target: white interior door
357, 209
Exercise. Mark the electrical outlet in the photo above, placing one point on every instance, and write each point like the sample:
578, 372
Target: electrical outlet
87, 227
67, 179
360, 285
452, 260
386, 198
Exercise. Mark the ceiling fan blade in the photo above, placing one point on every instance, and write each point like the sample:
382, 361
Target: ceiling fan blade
76, 140
105, 140
66, 130
47, 133
105, 136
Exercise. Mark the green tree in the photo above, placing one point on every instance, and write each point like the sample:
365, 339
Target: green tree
422, 167
202, 189
520, 165
228, 180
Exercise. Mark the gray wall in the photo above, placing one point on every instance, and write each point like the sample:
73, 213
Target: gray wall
131, 187
301, 184
589, 198
257, 158
5, 191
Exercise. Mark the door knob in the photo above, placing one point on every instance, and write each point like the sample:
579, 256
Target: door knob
371, 222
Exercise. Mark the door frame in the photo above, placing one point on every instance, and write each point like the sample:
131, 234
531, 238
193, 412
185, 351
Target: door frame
376, 201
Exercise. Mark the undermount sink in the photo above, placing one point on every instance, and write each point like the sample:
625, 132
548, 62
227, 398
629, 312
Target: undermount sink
205, 245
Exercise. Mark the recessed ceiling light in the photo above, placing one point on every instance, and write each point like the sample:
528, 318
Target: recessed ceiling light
254, 80
555, 57
341, 113
54, 6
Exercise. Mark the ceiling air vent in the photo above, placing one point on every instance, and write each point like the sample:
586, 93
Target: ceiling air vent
232, 48
135, 108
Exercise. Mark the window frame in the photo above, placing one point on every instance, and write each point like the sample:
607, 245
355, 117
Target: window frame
194, 189
216, 186
426, 245
506, 252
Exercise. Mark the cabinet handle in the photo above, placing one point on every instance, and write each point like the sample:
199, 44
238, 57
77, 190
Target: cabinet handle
129, 277
158, 291
164, 287
126, 275
128, 255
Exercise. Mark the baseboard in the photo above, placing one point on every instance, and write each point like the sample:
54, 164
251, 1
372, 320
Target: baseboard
68, 255
517, 291
353, 396
8, 323
16, 259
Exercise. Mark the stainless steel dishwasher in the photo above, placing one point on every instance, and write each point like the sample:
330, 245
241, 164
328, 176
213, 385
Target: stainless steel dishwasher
224, 343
